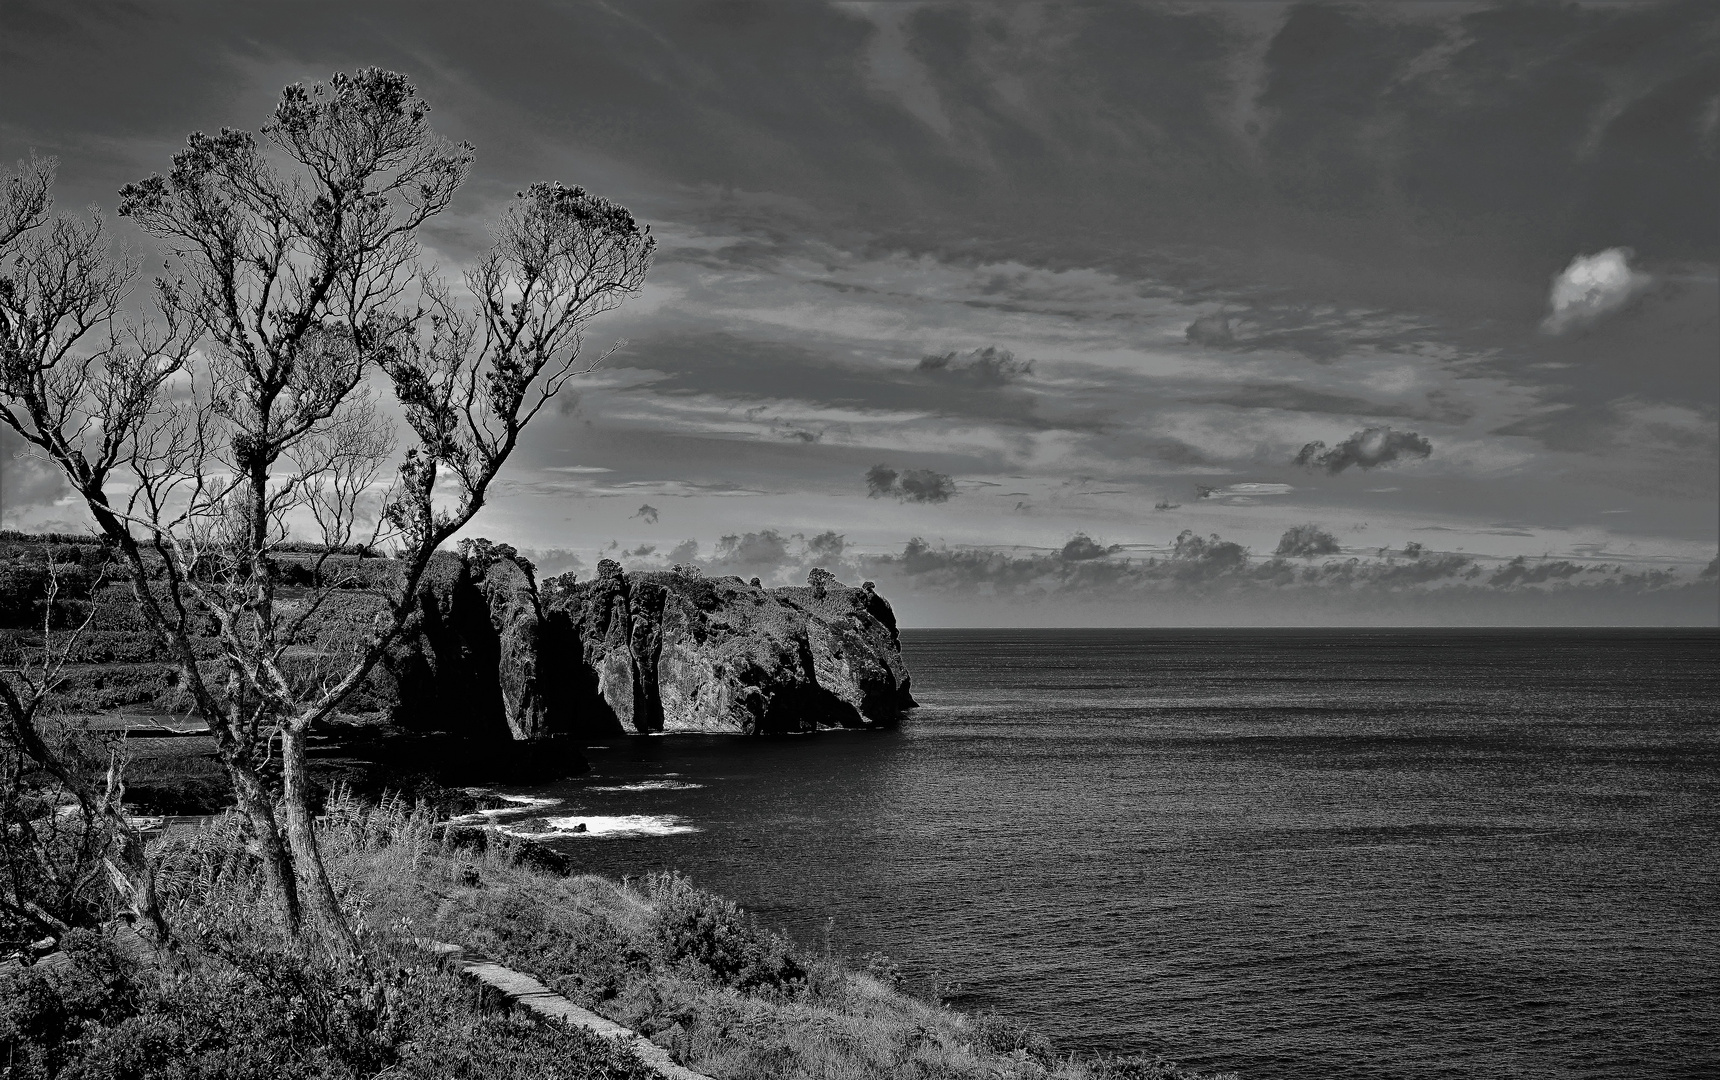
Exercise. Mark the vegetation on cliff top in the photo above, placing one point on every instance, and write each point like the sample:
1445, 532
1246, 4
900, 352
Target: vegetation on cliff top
698, 975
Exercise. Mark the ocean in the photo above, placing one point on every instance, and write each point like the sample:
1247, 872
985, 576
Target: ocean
1298, 854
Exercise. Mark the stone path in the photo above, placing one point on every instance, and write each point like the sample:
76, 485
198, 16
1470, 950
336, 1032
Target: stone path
537, 997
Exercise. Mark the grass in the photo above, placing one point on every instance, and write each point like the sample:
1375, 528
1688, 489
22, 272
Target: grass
726, 995
697, 974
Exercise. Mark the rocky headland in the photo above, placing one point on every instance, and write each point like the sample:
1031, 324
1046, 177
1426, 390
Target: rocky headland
492, 654
498, 679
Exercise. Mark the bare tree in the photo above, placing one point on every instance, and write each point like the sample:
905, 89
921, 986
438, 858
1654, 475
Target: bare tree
248, 408
59, 289
66, 832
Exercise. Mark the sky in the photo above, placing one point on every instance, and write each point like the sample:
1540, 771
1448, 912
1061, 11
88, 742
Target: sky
1055, 313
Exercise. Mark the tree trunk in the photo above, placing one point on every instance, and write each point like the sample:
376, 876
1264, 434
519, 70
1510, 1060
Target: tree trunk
141, 879
259, 809
315, 888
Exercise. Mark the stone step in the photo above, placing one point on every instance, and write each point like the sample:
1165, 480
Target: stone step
528, 992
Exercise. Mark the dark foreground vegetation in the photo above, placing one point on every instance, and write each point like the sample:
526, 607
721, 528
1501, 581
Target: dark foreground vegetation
242, 998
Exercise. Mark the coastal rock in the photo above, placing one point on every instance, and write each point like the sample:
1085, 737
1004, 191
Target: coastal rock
442, 673
722, 654
472, 660
527, 702
491, 655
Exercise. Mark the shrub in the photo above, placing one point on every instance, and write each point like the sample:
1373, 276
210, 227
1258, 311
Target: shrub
39, 1009
696, 928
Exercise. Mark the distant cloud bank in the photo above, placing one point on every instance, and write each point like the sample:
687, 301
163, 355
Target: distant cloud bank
1194, 575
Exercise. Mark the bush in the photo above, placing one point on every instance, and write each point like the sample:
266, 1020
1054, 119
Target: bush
245, 1009
261, 1015
696, 928
38, 1009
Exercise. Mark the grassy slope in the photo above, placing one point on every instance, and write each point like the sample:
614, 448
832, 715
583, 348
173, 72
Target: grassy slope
727, 997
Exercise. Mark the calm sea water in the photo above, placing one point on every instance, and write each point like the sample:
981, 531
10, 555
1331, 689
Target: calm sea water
1405, 854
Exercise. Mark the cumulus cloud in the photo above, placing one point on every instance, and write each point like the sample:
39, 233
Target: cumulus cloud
1592, 286
648, 513
553, 562
880, 481
910, 485
1366, 449
1306, 542
1081, 547
766, 549
1211, 330
989, 366
826, 545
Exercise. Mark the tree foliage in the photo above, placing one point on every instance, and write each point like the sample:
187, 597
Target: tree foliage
246, 406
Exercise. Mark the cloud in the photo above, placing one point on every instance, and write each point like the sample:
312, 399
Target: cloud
1366, 449
826, 545
1233, 494
1592, 286
1306, 542
989, 366
925, 486
1211, 330
29, 485
648, 513
880, 481
552, 562
766, 549
910, 485
1519, 572
1081, 547
684, 552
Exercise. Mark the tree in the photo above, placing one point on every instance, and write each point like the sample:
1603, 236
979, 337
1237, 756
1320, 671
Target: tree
59, 291
63, 828
248, 407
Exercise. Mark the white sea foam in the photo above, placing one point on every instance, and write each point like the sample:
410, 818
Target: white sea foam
519, 805
607, 825
651, 785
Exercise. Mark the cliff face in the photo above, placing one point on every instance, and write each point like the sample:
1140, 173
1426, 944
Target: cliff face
644, 652
666, 651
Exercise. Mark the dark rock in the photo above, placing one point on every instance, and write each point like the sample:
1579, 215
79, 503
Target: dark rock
479, 839
490, 657
720, 654
445, 666
519, 627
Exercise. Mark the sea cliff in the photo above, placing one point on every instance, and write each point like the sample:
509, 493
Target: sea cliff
490, 654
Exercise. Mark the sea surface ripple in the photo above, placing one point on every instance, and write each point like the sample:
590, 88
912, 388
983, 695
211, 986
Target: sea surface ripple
1406, 854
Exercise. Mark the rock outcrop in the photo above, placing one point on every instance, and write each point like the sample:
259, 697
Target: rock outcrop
474, 657
490, 655
675, 651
